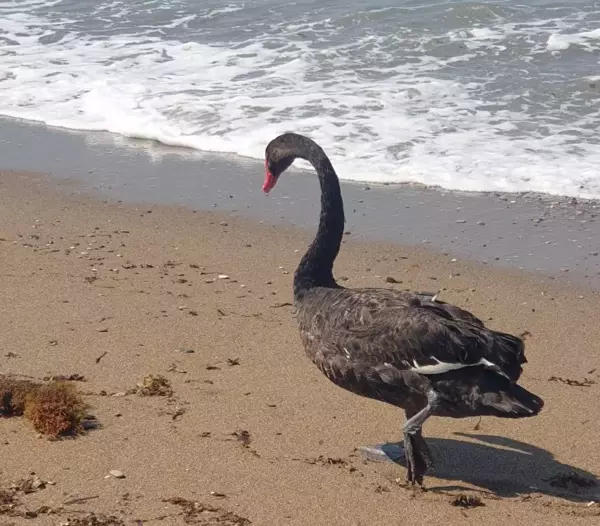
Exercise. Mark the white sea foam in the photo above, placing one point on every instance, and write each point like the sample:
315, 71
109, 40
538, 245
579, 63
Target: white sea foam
588, 40
230, 8
380, 118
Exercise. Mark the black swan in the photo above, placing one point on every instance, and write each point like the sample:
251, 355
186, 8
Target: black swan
410, 350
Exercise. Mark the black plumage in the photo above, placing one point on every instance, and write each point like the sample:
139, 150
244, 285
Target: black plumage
406, 349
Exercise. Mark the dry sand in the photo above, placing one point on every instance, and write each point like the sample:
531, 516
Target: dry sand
114, 292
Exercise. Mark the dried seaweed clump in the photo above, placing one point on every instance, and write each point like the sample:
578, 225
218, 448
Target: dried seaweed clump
154, 385
13, 394
55, 409
91, 519
8, 502
198, 513
467, 501
243, 437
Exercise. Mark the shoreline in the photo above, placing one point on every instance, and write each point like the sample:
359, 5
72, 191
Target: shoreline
551, 236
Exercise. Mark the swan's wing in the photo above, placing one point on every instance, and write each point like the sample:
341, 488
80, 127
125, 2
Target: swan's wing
432, 299
426, 337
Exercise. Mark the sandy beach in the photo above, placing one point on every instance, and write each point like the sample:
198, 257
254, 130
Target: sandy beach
151, 366
253, 432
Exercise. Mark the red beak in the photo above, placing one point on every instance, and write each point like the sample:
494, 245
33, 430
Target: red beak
270, 180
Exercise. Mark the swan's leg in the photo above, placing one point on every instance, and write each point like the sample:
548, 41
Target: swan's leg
416, 450
420, 442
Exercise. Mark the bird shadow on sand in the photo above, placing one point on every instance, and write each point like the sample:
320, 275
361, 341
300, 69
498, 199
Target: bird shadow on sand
503, 467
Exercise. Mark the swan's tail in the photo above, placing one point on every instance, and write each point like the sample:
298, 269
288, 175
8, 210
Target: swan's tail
513, 402
477, 391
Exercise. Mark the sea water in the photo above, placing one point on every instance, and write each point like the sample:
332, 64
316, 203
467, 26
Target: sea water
480, 96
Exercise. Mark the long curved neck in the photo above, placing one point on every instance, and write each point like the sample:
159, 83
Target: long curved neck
316, 266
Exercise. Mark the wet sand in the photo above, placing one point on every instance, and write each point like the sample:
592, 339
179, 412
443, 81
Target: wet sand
557, 237
115, 291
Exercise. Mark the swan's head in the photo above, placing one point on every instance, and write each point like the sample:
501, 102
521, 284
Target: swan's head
279, 155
